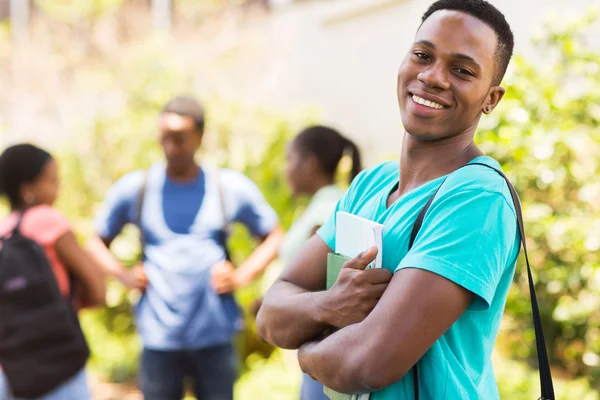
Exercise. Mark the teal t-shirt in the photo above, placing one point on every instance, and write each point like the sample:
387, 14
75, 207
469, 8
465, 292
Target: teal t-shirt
469, 236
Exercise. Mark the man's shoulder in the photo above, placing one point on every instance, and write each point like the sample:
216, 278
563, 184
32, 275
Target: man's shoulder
129, 185
381, 172
231, 179
479, 179
136, 177
229, 173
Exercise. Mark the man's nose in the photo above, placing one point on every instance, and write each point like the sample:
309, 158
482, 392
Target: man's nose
435, 76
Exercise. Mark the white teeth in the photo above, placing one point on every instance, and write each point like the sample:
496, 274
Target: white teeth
427, 103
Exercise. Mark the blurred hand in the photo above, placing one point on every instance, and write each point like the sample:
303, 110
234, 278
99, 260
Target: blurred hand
224, 278
135, 278
356, 291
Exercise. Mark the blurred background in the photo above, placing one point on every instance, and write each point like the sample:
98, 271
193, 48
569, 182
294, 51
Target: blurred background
87, 78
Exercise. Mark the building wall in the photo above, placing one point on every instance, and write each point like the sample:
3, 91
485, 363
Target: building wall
343, 58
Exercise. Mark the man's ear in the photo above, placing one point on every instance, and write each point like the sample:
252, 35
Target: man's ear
492, 99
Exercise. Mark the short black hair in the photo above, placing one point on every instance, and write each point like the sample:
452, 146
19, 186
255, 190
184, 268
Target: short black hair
20, 164
490, 15
328, 146
187, 106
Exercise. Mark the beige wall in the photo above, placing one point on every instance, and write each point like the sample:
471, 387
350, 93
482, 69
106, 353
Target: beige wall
345, 63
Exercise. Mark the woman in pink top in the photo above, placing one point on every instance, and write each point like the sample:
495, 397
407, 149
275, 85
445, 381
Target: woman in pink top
29, 180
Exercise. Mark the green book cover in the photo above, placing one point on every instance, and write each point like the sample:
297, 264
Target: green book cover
335, 262
333, 395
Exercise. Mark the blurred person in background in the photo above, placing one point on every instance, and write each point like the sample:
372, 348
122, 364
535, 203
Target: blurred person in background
29, 180
187, 316
313, 162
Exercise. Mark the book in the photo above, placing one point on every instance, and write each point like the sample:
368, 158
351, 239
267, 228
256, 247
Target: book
335, 262
353, 234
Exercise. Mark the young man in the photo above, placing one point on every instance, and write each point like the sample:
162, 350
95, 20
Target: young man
187, 315
439, 304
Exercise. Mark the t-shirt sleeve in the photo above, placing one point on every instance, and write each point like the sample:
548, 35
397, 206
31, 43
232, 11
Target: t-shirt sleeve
118, 205
327, 231
467, 237
46, 225
252, 209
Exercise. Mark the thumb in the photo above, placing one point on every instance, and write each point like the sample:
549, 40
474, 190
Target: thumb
362, 259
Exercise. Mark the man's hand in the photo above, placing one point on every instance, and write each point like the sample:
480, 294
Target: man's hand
356, 291
224, 278
135, 278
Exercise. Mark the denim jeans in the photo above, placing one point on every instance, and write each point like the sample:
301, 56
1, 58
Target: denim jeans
212, 372
311, 389
76, 388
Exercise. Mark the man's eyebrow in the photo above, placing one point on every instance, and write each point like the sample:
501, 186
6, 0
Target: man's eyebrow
466, 58
459, 56
426, 43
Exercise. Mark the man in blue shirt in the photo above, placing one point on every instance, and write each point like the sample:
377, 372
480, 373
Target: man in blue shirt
187, 315
439, 303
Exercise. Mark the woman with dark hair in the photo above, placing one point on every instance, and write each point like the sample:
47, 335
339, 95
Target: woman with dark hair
314, 161
29, 180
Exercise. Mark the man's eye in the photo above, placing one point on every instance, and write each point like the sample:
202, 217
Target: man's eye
463, 71
422, 56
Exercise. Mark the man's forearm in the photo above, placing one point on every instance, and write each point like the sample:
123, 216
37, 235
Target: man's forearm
260, 258
290, 316
343, 361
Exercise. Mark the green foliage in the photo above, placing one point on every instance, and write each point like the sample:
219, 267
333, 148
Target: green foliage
546, 135
276, 378
517, 382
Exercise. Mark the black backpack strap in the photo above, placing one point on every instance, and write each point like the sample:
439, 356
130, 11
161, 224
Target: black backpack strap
17, 229
421, 217
546, 385
413, 235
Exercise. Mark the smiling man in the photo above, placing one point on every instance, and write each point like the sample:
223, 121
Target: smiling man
439, 304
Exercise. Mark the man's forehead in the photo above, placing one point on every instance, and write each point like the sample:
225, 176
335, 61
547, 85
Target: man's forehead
175, 122
458, 32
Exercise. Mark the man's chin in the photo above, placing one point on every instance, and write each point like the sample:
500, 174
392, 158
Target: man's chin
423, 129
424, 137
426, 132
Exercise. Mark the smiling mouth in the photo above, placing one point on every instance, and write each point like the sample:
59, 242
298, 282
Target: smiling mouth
427, 103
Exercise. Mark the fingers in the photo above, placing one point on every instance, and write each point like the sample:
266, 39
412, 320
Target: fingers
377, 276
140, 278
378, 290
223, 287
223, 282
362, 260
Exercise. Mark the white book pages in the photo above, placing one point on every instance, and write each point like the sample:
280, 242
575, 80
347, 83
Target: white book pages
355, 234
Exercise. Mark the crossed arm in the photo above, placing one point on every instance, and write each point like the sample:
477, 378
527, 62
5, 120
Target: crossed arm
416, 308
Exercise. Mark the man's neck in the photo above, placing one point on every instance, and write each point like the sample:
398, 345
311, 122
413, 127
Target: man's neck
186, 175
423, 161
